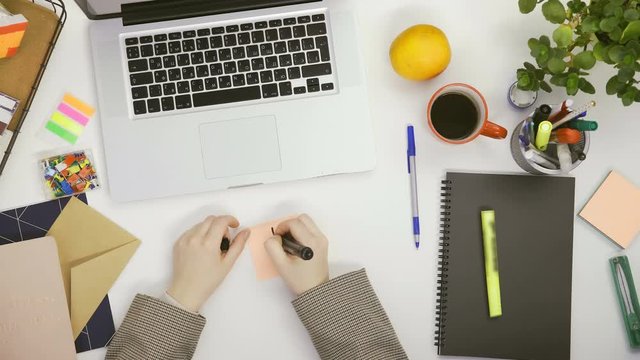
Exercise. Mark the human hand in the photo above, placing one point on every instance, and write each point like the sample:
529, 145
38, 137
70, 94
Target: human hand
300, 275
199, 266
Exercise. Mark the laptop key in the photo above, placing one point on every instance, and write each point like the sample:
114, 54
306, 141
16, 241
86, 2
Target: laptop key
160, 49
146, 39
269, 90
133, 52
139, 107
131, 41
313, 88
313, 81
253, 78
275, 23
271, 62
318, 17
204, 32
244, 65
304, 19
217, 30
266, 76
197, 85
202, 43
197, 58
139, 92
261, 25
280, 74
246, 27
175, 36
280, 47
238, 80
289, 21
138, 65
174, 47
146, 50
271, 35
316, 70
169, 89
266, 49
175, 74
230, 40
160, 76
316, 29
294, 45
230, 67
183, 101
285, 60
308, 44
216, 42
299, 31
167, 104
300, 90
226, 96
144, 78
155, 63
233, 28
253, 51
224, 82
313, 57
211, 56
215, 69
188, 72
210, 83
285, 88
155, 90
244, 38
299, 59
188, 45
169, 61
322, 43
183, 60
160, 37
189, 34
183, 87
257, 64
238, 53
285, 33
224, 54
294, 73
153, 105
202, 71
327, 86
257, 36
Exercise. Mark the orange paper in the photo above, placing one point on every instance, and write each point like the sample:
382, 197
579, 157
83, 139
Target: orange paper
264, 267
615, 209
34, 319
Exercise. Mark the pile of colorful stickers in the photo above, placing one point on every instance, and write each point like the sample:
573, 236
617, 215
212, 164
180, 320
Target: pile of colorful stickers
69, 174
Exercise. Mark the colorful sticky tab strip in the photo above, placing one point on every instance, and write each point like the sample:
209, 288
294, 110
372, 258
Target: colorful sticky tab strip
72, 117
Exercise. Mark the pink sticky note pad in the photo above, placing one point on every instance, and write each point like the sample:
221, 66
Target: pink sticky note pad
265, 269
615, 209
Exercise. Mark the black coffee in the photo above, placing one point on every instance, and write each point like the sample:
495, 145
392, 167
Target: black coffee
454, 116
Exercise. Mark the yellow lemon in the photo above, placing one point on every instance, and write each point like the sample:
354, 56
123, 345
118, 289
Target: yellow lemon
420, 53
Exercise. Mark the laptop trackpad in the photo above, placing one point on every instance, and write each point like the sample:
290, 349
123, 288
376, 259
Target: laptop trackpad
240, 147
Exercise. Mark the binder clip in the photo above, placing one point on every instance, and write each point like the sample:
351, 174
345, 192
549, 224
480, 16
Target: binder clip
627, 298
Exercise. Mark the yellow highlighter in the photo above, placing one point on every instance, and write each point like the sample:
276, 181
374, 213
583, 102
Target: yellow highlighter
543, 135
490, 245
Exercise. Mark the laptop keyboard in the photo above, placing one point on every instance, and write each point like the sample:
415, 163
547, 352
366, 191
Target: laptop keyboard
206, 67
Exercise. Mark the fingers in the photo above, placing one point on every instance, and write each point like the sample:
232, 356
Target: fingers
219, 228
201, 229
297, 228
273, 245
310, 224
237, 245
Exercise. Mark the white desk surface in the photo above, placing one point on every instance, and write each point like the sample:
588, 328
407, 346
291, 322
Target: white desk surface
366, 216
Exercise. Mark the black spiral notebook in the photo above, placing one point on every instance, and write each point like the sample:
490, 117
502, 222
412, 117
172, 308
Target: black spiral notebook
534, 234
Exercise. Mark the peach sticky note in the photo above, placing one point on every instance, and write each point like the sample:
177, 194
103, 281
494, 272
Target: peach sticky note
264, 267
34, 318
615, 209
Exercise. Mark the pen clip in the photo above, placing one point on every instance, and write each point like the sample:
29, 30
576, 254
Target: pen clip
411, 146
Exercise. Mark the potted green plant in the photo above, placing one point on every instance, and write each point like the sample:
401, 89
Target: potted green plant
603, 30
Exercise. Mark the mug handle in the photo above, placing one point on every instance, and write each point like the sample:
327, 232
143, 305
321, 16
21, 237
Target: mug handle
493, 131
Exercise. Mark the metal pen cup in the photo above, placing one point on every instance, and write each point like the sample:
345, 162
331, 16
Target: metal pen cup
518, 152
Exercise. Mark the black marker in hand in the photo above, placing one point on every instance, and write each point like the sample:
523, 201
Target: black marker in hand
293, 247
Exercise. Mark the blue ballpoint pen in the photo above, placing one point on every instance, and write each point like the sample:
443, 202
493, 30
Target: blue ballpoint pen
411, 163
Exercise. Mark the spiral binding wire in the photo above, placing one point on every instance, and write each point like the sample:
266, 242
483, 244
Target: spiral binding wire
443, 264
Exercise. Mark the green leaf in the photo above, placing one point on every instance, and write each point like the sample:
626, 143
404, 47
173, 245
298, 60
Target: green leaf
613, 85
585, 60
544, 86
559, 80
524, 81
608, 24
632, 31
527, 6
586, 86
625, 74
617, 53
573, 81
529, 66
539, 74
628, 98
533, 43
631, 14
556, 65
554, 11
543, 56
544, 39
600, 51
590, 24
563, 35
615, 34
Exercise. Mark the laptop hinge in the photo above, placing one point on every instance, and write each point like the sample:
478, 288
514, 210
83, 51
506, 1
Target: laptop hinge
164, 10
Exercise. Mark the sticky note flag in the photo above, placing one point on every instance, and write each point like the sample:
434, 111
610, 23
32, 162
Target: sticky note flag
12, 30
70, 119
261, 261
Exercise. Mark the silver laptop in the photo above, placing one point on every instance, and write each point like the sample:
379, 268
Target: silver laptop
202, 95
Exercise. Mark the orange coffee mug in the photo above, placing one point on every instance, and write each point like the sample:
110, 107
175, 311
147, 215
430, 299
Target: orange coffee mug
458, 114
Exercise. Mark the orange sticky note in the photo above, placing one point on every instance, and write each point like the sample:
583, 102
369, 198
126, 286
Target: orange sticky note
615, 209
261, 261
